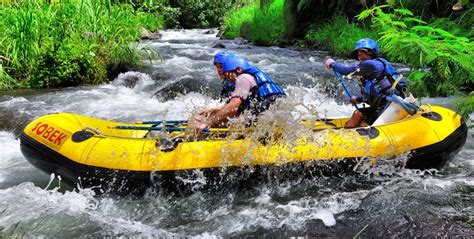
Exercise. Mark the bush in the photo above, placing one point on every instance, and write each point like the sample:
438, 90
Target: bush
466, 106
201, 13
268, 25
67, 44
6, 81
234, 21
338, 35
408, 39
441, 62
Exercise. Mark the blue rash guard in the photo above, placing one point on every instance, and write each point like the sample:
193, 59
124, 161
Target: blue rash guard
369, 69
375, 86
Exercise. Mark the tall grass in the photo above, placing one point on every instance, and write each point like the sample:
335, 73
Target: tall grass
337, 35
234, 21
268, 25
6, 81
264, 26
66, 44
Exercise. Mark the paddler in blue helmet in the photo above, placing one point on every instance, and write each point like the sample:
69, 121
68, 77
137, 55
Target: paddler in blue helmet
375, 85
227, 87
219, 58
253, 90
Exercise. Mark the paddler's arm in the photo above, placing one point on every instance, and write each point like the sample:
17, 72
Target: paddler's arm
208, 111
230, 110
339, 68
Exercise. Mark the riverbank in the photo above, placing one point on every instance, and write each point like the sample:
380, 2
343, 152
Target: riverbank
69, 44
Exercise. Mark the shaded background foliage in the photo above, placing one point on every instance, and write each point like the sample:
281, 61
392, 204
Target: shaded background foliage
200, 13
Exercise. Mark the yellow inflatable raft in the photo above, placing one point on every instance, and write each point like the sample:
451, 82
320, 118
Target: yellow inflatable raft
91, 152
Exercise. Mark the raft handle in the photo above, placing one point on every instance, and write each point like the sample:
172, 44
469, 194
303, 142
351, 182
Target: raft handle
95, 131
81, 136
432, 116
371, 132
168, 145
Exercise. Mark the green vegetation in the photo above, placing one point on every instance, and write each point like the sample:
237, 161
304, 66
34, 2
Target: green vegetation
466, 106
442, 63
263, 25
201, 13
410, 40
268, 25
67, 44
337, 35
82, 41
238, 17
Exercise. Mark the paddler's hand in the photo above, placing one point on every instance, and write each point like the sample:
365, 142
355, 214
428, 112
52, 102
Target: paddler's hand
199, 124
207, 111
328, 63
354, 100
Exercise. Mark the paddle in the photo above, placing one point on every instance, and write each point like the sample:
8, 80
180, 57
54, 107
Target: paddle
343, 83
131, 127
168, 129
164, 121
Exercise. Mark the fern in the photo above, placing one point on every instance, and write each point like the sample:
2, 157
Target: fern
441, 62
423, 46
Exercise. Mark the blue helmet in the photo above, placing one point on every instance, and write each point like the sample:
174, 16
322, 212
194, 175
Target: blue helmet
366, 43
222, 56
232, 63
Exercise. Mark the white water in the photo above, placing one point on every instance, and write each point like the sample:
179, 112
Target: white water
321, 206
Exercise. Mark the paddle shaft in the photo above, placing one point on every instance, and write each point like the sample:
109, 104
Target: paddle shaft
168, 129
163, 121
343, 83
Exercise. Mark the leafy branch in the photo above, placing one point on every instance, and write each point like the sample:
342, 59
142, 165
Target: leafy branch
441, 62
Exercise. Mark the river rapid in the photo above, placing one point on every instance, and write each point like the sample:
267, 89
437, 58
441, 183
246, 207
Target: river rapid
380, 201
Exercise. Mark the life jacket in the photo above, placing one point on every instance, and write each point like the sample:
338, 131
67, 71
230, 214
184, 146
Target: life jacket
261, 96
266, 87
375, 87
392, 75
226, 92
377, 90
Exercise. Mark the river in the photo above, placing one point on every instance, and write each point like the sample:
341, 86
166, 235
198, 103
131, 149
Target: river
382, 201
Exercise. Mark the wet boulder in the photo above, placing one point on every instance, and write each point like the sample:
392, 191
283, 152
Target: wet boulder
147, 35
130, 80
219, 45
210, 31
244, 29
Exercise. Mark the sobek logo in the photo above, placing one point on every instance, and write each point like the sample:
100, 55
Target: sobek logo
49, 133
